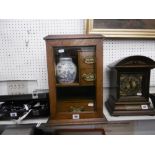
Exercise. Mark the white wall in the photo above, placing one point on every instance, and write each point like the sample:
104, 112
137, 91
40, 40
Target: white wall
23, 51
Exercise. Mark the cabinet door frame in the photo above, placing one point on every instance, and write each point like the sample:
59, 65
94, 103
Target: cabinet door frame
98, 43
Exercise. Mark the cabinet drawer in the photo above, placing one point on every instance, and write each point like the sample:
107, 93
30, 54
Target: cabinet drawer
87, 76
86, 59
76, 106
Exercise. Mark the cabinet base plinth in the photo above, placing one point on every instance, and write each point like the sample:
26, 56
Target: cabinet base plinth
77, 122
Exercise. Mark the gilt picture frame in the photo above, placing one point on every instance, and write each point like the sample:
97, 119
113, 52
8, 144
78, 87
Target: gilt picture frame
122, 28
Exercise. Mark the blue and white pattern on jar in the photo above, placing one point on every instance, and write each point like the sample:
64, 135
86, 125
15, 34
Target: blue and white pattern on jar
66, 70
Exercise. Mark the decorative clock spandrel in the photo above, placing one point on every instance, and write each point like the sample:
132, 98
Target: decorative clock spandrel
131, 85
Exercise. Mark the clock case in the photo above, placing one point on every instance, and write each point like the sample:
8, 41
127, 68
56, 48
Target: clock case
131, 78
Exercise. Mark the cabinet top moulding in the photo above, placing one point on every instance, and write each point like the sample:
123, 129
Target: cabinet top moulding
73, 36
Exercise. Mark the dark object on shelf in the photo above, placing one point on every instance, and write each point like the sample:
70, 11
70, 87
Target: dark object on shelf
82, 98
132, 77
15, 106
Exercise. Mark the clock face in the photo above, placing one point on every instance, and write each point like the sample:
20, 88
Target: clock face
131, 84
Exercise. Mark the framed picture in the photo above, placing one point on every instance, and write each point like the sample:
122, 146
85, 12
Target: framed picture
122, 28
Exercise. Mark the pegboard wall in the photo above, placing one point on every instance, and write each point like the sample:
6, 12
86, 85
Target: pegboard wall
23, 51
115, 49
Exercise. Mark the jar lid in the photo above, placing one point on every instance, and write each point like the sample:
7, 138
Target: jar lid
65, 59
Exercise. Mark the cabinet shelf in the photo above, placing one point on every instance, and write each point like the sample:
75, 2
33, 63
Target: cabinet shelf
67, 85
74, 85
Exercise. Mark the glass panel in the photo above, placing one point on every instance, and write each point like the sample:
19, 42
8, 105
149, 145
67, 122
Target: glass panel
131, 84
75, 78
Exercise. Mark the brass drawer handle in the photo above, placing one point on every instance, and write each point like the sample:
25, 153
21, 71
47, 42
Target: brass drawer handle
76, 109
89, 60
88, 77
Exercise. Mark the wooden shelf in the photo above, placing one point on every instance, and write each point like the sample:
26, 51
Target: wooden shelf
67, 85
73, 85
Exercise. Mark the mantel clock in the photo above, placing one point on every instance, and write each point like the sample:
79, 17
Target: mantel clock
132, 78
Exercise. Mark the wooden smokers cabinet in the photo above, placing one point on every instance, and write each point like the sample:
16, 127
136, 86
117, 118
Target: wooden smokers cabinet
75, 87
